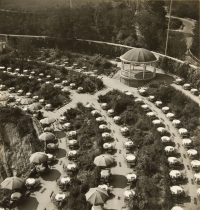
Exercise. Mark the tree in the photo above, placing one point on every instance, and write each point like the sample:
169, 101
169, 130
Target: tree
177, 45
156, 7
189, 9
151, 30
22, 48
196, 41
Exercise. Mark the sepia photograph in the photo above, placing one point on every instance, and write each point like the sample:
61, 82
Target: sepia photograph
99, 105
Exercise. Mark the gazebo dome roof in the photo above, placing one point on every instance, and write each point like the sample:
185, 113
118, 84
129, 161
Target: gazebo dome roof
138, 55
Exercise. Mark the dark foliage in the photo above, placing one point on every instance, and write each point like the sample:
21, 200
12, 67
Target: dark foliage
152, 187
90, 146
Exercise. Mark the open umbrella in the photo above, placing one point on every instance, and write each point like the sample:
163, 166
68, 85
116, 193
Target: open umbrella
151, 98
175, 174
96, 196
103, 160
172, 160
35, 107
156, 122
129, 193
131, 177
38, 157
176, 190
26, 101
130, 158
95, 112
117, 118
192, 152
182, 131
158, 103
129, 144
47, 136
107, 146
138, 100
47, 120
12, 183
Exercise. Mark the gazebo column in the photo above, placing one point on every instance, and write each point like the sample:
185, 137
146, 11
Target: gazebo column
144, 70
130, 71
122, 68
154, 71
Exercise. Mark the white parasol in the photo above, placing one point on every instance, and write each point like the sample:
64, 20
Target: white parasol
195, 163
192, 152
169, 149
161, 129
156, 122
175, 174
182, 131
172, 160
131, 177
176, 190
186, 142
150, 114
130, 158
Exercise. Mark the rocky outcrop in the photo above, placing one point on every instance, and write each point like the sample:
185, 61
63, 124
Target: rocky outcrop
17, 143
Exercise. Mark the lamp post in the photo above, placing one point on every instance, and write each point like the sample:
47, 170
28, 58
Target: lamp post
168, 27
70, 3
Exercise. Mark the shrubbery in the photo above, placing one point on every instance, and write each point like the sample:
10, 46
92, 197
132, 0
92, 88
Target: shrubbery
52, 95
152, 186
184, 70
184, 109
90, 146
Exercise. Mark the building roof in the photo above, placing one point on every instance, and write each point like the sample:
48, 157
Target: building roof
138, 55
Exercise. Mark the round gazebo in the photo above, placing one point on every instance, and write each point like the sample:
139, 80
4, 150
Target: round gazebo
136, 69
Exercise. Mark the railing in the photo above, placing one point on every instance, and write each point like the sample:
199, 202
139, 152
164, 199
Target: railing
193, 57
99, 42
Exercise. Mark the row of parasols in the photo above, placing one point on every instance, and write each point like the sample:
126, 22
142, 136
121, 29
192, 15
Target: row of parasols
41, 79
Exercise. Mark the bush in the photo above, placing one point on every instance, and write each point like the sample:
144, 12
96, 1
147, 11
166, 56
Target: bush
152, 187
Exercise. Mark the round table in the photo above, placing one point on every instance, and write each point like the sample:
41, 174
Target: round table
16, 196
50, 156
103, 186
30, 181
65, 180
60, 197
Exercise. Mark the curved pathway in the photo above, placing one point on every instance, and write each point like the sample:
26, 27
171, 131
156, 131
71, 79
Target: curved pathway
190, 188
41, 199
188, 34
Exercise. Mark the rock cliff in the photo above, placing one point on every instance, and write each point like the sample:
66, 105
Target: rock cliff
18, 140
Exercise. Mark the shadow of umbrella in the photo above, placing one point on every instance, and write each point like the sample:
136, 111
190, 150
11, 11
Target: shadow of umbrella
118, 181
60, 153
30, 203
52, 175
60, 134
